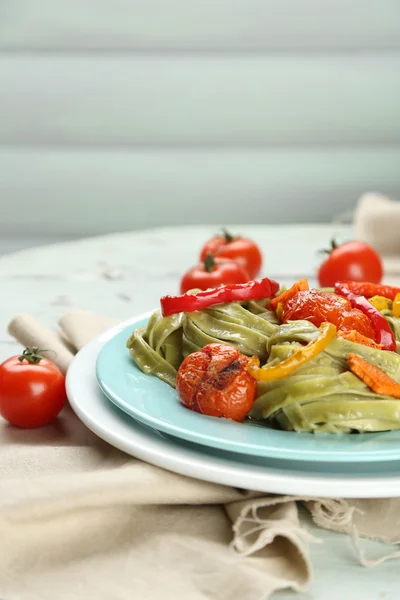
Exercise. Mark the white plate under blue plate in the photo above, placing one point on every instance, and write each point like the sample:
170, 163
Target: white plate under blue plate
155, 404
368, 480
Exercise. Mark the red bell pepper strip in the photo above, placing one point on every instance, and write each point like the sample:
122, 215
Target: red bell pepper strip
239, 292
364, 288
383, 333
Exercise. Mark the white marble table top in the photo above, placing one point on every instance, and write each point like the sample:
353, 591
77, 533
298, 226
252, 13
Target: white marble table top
125, 274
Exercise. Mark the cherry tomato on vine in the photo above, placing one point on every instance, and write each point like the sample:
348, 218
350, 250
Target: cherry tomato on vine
32, 389
211, 273
237, 248
353, 261
214, 381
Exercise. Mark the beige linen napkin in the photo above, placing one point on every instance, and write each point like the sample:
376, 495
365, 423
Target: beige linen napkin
377, 221
80, 519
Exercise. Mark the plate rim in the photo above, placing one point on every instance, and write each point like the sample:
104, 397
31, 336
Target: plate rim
82, 390
335, 455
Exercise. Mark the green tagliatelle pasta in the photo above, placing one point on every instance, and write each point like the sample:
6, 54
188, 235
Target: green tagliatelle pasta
320, 396
323, 395
160, 347
157, 348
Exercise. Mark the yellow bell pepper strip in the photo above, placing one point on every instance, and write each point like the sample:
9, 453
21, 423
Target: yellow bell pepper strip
299, 286
396, 306
298, 358
380, 302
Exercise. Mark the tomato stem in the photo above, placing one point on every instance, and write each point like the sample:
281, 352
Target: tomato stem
334, 245
209, 263
31, 354
227, 235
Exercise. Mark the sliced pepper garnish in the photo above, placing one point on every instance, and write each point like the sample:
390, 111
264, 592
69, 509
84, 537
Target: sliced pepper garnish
298, 358
279, 310
358, 338
396, 306
239, 292
380, 302
367, 289
383, 334
376, 379
299, 286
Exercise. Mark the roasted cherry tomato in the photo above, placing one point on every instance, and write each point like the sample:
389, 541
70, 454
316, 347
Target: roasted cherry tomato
354, 261
238, 248
318, 307
32, 389
215, 382
211, 273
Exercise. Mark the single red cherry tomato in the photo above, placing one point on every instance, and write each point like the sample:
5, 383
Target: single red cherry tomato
214, 381
354, 261
212, 273
237, 248
32, 389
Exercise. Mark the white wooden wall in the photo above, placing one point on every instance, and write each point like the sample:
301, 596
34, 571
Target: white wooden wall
121, 114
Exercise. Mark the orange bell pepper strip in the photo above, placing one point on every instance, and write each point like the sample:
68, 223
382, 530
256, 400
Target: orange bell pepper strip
354, 336
376, 379
299, 286
298, 358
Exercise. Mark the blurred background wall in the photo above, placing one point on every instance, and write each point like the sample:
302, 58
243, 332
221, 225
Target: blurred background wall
124, 114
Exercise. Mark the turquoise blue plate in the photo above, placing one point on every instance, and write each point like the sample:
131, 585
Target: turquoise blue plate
154, 403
